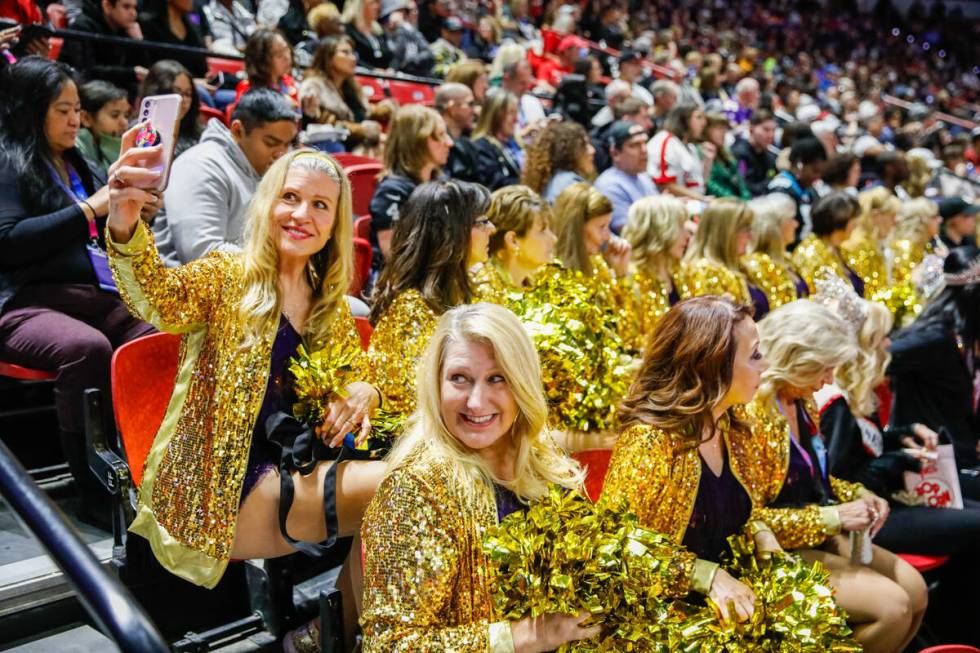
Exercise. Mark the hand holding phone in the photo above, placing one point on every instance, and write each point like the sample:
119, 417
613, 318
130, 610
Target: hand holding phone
159, 116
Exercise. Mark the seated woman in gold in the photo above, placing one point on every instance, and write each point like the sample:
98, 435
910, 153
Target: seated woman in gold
211, 488
712, 264
767, 264
476, 450
864, 249
441, 234
685, 462
833, 218
916, 235
658, 239
806, 506
520, 246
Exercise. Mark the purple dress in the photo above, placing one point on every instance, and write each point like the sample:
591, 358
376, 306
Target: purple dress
760, 303
721, 509
263, 455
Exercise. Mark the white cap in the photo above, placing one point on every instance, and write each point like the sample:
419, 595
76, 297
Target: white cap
865, 143
867, 110
808, 113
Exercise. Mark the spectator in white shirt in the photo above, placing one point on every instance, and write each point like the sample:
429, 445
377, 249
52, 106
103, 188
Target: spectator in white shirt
631, 72
674, 161
616, 91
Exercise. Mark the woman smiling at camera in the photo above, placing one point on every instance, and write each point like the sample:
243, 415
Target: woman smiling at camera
210, 490
475, 451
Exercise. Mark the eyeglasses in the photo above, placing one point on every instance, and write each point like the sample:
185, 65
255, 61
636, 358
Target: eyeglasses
483, 223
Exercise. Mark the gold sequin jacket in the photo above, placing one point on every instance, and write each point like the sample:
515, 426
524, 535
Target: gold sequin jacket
705, 277
397, 343
426, 578
795, 528
192, 482
615, 295
905, 301
491, 283
652, 300
864, 256
773, 279
657, 479
813, 258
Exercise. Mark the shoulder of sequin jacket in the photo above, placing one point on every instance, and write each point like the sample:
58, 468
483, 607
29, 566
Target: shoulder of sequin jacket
775, 281
813, 258
617, 297
705, 277
192, 480
426, 578
864, 256
397, 343
652, 300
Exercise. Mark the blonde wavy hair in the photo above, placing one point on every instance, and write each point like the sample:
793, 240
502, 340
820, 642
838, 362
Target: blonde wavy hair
575, 206
407, 146
329, 271
875, 200
652, 227
913, 220
715, 239
801, 340
353, 14
538, 461
496, 103
769, 212
514, 208
858, 376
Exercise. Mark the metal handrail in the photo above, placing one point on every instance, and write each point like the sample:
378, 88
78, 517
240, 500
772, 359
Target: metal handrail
108, 603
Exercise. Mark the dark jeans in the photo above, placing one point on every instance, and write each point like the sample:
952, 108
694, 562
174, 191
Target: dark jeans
72, 330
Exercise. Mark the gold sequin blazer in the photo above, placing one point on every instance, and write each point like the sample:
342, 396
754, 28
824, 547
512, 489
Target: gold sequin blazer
397, 343
426, 578
904, 299
813, 258
775, 280
192, 482
705, 277
652, 300
795, 528
864, 256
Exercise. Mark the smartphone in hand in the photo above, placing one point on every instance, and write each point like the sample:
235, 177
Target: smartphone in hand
160, 119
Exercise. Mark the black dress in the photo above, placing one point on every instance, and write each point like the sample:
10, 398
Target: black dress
721, 509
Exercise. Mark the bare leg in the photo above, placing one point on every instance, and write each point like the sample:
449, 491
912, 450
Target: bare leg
879, 609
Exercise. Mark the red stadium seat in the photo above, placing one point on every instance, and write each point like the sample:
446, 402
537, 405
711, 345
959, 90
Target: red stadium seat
347, 159
13, 371
143, 376
373, 87
362, 227
362, 265
55, 42
411, 92
363, 179
951, 648
227, 66
207, 114
923, 564
364, 329
596, 464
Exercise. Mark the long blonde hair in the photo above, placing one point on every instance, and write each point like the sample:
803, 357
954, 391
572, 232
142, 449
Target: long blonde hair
801, 340
538, 462
407, 146
769, 212
576, 205
859, 375
652, 227
329, 271
913, 220
496, 103
715, 239
354, 14
875, 200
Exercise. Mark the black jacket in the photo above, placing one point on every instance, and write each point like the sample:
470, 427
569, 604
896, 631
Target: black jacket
370, 53
497, 167
932, 386
155, 28
390, 193
757, 168
44, 247
94, 60
462, 163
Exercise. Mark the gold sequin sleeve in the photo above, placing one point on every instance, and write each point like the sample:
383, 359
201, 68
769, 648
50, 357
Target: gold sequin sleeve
775, 281
419, 575
704, 277
652, 300
617, 295
800, 528
397, 343
172, 299
866, 259
489, 284
845, 491
814, 259
646, 478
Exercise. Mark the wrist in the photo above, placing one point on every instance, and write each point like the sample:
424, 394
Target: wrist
703, 576
501, 637
831, 520
521, 635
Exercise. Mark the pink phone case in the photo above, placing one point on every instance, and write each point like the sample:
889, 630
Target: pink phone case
162, 115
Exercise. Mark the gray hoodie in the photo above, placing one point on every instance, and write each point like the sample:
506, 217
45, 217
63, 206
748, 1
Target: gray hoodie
210, 186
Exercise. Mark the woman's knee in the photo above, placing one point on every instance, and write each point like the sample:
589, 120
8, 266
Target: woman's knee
891, 605
83, 346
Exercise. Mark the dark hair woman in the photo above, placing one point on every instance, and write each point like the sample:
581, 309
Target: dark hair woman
442, 233
268, 62
560, 156
833, 219
169, 76
173, 22
53, 313
674, 161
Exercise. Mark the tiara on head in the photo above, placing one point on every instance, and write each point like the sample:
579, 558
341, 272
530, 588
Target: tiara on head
965, 277
839, 296
930, 280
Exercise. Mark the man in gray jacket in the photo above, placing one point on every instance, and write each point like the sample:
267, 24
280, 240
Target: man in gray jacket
212, 183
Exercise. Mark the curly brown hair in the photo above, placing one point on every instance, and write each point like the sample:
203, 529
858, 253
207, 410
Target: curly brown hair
559, 146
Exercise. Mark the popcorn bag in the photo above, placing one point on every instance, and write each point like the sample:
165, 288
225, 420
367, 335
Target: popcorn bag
938, 484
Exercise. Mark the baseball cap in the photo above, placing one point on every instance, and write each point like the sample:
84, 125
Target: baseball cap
572, 41
623, 130
954, 206
629, 54
388, 7
453, 24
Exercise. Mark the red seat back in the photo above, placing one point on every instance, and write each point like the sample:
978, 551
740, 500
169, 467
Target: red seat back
411, 92
951, 648
923, 564
143, 376
363, 179
596, 464
346, 159
362, 265
362, 227
14, 371
364, 329
207, 114
226, 66
374, 88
